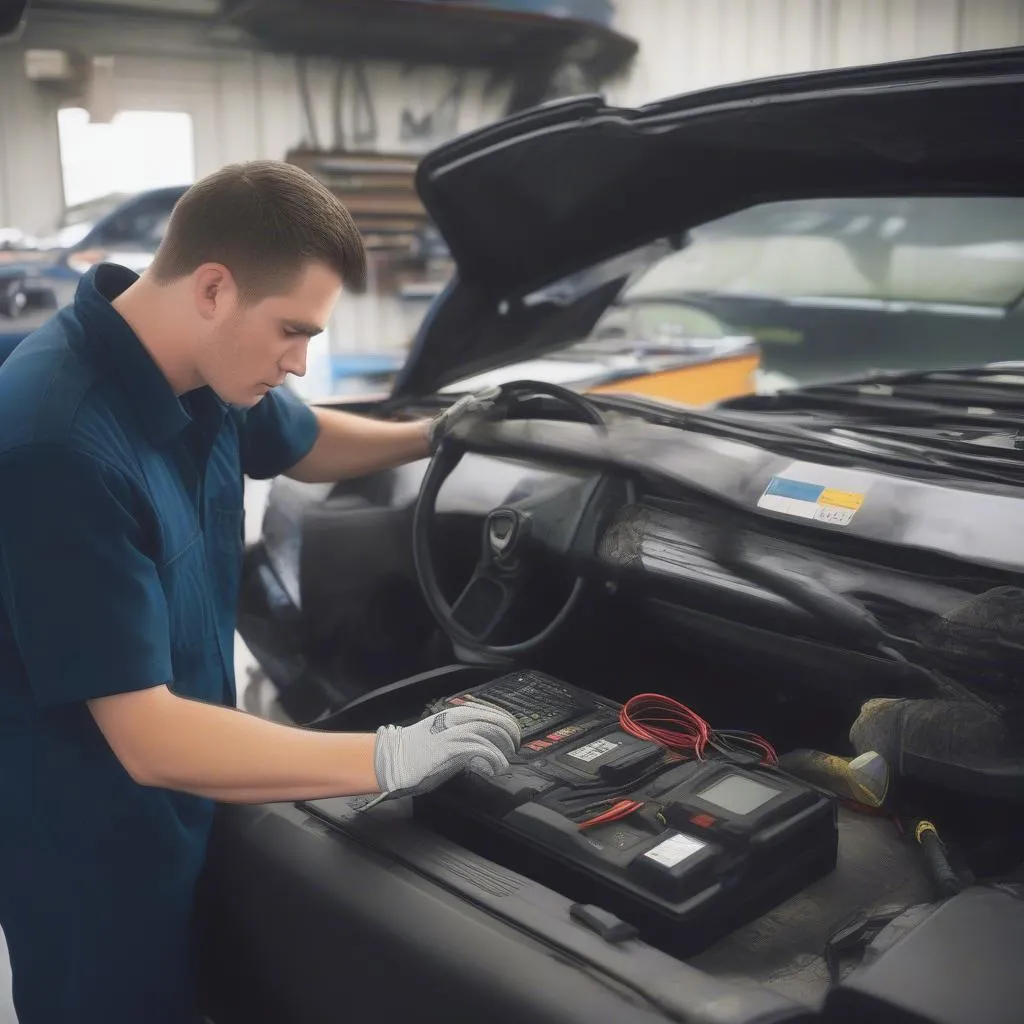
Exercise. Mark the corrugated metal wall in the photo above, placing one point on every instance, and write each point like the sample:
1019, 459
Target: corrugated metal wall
246, 105
693, 44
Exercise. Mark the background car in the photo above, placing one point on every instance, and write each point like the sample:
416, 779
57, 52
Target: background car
115, 229
29, 296
36, 282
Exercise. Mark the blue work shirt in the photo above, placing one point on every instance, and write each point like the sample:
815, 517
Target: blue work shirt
8, 343
121, 533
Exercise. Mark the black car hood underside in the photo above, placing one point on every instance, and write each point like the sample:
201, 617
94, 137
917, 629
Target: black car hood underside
534, 198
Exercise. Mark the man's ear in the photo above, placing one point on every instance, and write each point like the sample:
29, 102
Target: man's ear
215, 291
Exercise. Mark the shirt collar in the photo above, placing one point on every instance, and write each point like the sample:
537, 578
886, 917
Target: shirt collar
110, 339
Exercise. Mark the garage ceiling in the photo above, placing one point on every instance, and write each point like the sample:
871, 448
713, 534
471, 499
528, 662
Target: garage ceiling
204, 8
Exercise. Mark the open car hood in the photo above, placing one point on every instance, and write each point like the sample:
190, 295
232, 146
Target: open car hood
553, 192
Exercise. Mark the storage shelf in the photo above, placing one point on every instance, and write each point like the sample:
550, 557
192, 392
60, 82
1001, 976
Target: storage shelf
378, 189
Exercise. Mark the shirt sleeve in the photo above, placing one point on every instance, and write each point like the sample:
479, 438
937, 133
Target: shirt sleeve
83, 598
276, 433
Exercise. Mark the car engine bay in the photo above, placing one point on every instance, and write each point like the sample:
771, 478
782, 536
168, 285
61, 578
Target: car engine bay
692, 776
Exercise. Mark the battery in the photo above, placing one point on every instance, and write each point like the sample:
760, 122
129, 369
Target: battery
710, 844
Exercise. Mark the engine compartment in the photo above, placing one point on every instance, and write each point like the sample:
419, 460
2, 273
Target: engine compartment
776, 934
343, 556
334, 896
757, 623
681, 832
800, 687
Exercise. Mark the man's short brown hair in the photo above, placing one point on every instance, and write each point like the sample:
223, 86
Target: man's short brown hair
265, 221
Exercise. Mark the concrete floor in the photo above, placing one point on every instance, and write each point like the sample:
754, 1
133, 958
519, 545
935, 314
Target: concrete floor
253, 695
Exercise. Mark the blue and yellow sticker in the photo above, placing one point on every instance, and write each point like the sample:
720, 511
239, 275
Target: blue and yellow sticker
810, 501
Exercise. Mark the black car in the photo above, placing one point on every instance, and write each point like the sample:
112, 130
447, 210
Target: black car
767, 656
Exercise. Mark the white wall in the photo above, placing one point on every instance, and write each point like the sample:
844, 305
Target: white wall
246, 105
694, 44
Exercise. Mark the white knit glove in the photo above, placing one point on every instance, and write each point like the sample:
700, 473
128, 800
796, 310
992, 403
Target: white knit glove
480, 404
415, 759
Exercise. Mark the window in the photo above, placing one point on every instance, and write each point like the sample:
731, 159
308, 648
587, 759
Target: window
138, 150
946, 251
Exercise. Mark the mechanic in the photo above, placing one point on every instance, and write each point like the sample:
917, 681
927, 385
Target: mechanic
126, 425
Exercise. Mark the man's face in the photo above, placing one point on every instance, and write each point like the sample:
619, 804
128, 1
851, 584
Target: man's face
250, 349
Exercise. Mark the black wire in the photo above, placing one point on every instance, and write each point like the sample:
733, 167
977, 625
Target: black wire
339, 97
754, 426
364, 101
735, 742
794, 439
610, 793
306, 100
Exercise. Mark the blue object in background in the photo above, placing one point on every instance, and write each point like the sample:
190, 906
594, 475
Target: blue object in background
354, 373
599, 11
8, 343
122, 229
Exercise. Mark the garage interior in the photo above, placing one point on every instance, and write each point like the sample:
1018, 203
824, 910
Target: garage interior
103, 100
214, 82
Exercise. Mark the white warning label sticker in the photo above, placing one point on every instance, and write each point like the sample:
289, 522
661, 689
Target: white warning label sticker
810, 501
592, 751
675, 849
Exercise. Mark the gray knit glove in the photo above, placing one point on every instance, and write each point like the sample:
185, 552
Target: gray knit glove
480, 404
414, 759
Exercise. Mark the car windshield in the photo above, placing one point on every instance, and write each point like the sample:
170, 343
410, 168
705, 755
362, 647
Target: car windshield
827, 288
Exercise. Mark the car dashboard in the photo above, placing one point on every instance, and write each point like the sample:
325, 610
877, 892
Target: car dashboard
707, 540
696, 587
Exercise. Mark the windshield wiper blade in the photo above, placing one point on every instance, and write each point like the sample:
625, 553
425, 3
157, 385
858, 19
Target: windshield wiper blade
1008, 374
951, 452
891, 444
853, 445
923, 408
840, 441
1002, 384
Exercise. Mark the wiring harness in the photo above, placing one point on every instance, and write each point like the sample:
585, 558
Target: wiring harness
682, 731
684, 735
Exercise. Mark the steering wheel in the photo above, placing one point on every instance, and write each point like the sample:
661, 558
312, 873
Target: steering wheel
513, 536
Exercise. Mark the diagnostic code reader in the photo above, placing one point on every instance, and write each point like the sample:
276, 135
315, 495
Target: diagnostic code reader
679, 830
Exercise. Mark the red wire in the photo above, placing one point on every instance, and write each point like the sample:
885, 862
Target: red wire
677, 728
622, 809
662, 720
670, 724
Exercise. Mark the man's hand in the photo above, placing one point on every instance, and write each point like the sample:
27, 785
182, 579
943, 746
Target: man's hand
416, 758
222, 753
478, 405
349, 446
172, 742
